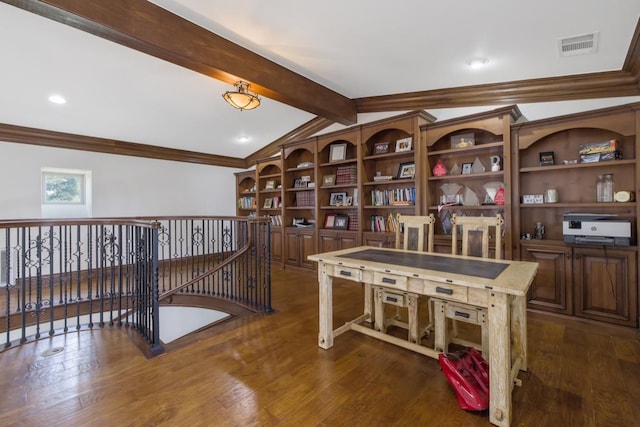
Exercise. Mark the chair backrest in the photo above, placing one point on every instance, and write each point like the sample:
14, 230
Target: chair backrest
414, 230
475, 235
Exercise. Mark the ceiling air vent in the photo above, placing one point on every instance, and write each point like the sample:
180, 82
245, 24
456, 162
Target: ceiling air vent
578, 45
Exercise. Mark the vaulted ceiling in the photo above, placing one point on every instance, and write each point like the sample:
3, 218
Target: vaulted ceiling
152, 72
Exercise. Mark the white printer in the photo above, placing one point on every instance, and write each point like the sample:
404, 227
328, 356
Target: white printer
596, 229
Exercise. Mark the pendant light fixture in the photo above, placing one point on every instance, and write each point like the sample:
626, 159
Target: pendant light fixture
241, 98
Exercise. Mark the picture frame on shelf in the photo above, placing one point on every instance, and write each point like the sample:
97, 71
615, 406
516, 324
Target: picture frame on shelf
547, 158
348, 201
407, 170
338, 152
306, 178
463, 141
404, 144
337, 199
270, 185
341, 222
299, 183
467, 168
381, 147
329, 220
268, 203
329, 180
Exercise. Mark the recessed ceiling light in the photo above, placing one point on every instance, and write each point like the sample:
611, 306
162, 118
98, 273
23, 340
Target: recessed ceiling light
243, 139
57, 99
477, 62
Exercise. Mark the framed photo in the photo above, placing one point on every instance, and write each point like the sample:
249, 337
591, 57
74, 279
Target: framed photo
546, 158
407, 170
306, 178
270, 185
338, 152
381, 147
466, 168
348, 201
329, 180
404, 144
337, 199
299, 183
341, 222
463, 141
329, 220
268, 203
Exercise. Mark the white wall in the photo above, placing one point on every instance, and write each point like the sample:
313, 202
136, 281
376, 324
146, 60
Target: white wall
122, 185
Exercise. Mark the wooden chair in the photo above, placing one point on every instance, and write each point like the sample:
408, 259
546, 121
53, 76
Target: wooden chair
413, 236
475, 233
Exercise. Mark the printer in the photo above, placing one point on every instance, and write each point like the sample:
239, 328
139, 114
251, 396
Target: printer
596, 229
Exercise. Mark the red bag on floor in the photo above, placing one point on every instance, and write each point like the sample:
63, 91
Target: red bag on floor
468, 374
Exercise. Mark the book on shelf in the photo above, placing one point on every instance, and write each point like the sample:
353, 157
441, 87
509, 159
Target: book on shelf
247, 203
382, 223
276, 220
394, 196
305, 198
382, 178
346, 175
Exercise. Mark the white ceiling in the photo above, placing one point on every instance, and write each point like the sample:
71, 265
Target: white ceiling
356, 48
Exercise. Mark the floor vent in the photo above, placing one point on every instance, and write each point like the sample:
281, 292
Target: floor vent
578, 45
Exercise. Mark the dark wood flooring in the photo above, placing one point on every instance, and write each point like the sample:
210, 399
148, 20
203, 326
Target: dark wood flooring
267, 370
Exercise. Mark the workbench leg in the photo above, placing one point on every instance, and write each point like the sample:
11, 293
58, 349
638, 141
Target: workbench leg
499, 360
368, 302
440, 330
519, 330
378, 315
325, 283
414, 324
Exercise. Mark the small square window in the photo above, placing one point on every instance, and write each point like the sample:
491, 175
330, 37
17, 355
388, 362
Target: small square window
63, 188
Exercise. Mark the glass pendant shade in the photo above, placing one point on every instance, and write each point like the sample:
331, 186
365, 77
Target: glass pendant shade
241, 98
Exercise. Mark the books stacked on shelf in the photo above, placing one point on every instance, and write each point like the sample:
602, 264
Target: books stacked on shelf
276, 202
380, 223
395, 196
276, 220
346, 175
382, 178
305, 198
247, 203
353, 221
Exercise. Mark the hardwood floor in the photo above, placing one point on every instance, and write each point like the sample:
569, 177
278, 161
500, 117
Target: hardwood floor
268, 371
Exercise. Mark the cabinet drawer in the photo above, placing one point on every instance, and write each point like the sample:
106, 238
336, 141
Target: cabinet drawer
464, 313
390, 280
478, 297
395, 298
445, 291
348, 273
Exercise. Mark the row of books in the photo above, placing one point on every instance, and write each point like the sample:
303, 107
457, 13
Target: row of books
396, 196
276, 220
381, 223
247, 203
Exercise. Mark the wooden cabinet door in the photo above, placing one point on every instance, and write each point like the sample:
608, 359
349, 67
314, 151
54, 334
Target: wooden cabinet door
328, 241
292, 247
551, 290
380, 240
346, 241
307, 247
606, 285
276, 244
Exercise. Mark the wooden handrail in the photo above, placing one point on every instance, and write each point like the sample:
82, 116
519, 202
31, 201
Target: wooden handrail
215, 269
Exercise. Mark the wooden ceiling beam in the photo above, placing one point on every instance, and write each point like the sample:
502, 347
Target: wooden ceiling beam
148, 28
47, 138
307, 129
583, 86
